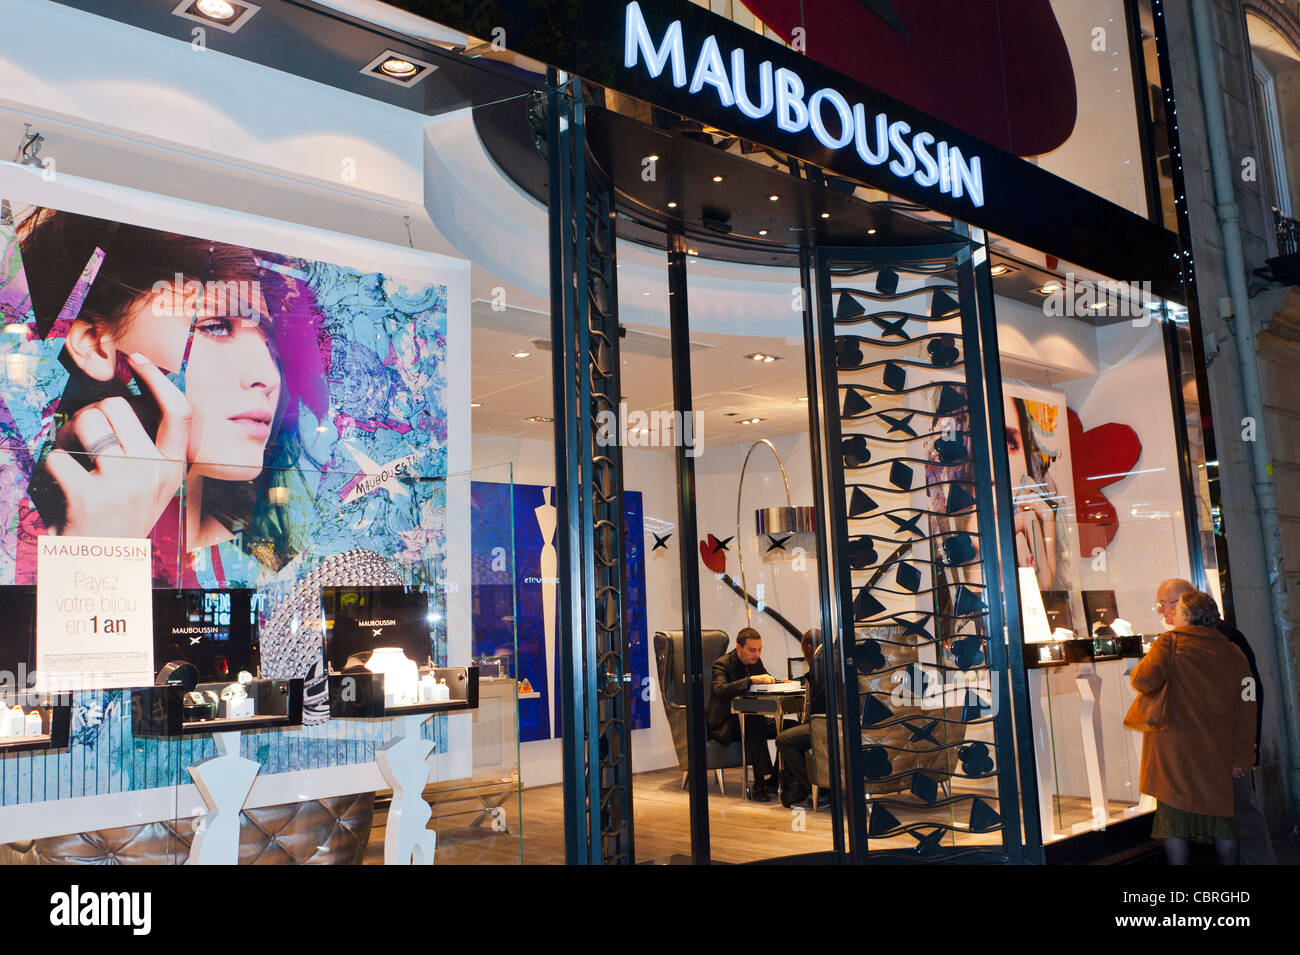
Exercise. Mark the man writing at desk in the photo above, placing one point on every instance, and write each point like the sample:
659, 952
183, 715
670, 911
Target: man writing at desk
733, 674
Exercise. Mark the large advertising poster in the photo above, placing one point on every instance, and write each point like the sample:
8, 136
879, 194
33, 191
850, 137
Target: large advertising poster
267, 421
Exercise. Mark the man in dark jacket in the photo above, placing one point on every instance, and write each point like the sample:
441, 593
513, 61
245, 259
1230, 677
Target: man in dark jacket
793, 744
733, 674
1256, 845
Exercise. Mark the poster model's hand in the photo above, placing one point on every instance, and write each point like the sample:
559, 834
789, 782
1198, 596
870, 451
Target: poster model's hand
1037, 547
133, 478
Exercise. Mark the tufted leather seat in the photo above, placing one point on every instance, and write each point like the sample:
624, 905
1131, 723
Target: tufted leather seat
331, 831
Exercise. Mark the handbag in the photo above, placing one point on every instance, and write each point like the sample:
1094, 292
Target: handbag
1150, 711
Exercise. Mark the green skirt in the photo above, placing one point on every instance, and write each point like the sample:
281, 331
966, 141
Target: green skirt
1171, 823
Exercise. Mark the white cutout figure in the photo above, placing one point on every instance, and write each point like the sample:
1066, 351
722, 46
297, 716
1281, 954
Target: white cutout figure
404, 763
224, 781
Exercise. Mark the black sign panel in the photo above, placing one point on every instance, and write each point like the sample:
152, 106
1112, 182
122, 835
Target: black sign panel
212, 629
361, 619
670, 39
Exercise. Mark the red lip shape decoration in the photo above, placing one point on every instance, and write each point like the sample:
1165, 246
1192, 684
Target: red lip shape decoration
714, 557
998, 69
1108, 449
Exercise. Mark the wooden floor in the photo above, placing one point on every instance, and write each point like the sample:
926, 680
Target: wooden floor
740, 831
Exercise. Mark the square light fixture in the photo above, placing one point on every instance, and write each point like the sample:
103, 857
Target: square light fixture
228, 15
400, 68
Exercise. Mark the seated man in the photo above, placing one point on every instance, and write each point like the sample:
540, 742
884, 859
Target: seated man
793, 744
733, 674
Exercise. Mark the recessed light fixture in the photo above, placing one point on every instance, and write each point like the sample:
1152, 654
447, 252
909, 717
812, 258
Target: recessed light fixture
400, 68
764, 358
540, 419
1051, 288
672, 205
476, 404
826, 215
871, 232
228, 15
653, 157
1001, 269
719, 178
750, 420
1098, 306
773, 197
692, 251
521, 354
762, 232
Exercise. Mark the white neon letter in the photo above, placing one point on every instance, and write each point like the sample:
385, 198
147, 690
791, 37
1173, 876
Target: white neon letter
928, 174
711, 69
819, 129
905, 164
791, 112
967, 177
872, 157
638, 39
743, 101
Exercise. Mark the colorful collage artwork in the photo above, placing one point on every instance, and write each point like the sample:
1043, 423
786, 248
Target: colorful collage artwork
317, 454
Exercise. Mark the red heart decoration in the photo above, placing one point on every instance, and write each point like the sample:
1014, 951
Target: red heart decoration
714, 559
1099, 456
1000, 71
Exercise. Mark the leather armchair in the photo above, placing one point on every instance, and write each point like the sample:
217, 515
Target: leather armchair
670, 656
331, 831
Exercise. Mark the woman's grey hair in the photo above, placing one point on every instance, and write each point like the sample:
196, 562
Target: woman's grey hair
1200, 608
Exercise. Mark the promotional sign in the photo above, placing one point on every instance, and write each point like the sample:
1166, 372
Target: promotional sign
1033, 616
211, 629
94, 613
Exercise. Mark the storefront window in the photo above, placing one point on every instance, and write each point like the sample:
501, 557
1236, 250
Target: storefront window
1097, 487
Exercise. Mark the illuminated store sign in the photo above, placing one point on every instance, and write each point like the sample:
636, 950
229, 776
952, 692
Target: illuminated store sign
781, 94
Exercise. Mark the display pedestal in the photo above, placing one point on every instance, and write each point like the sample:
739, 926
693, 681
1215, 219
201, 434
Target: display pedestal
403, 761
1043, 756
1094, 754
224, 781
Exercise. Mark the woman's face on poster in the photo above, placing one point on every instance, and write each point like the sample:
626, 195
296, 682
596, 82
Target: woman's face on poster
231, 379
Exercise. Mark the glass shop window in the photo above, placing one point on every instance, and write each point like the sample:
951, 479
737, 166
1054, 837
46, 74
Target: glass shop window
1092, 438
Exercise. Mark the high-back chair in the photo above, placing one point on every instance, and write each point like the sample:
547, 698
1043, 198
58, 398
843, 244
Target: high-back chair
670, 655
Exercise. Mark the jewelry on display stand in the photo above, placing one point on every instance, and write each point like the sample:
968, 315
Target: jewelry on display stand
224, 781
403, 762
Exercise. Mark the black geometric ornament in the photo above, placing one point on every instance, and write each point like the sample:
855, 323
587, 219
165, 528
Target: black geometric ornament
975, 760
943, 351
925, 788
848, 308
942, 305
968, 602
951, 400
887, 281
777, 544
895, 377
983, 817
854, 404
959, 499
959, 548
900, 475
873, 711
908, 577
848, 353
908, 524
882, 822
968, 652
866, 606
862, 553
903, 424
661, 543
875, 762
922, 734
860, 503
950, 451
855, 450
973, 708
897, 327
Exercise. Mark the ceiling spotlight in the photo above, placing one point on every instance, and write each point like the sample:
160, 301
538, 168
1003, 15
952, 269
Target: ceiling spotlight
1051, 288
1000, 269
871, 232
773, 197
216, 9
692, 251
672, 205
762, 232
719, 178
826, 215
540, 419
750, 420
396, 66
653, 157
393, 67
1099, 306
521, 354
760, 356
228, 15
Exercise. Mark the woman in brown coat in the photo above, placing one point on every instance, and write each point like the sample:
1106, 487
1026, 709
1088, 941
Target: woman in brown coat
1189, 767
